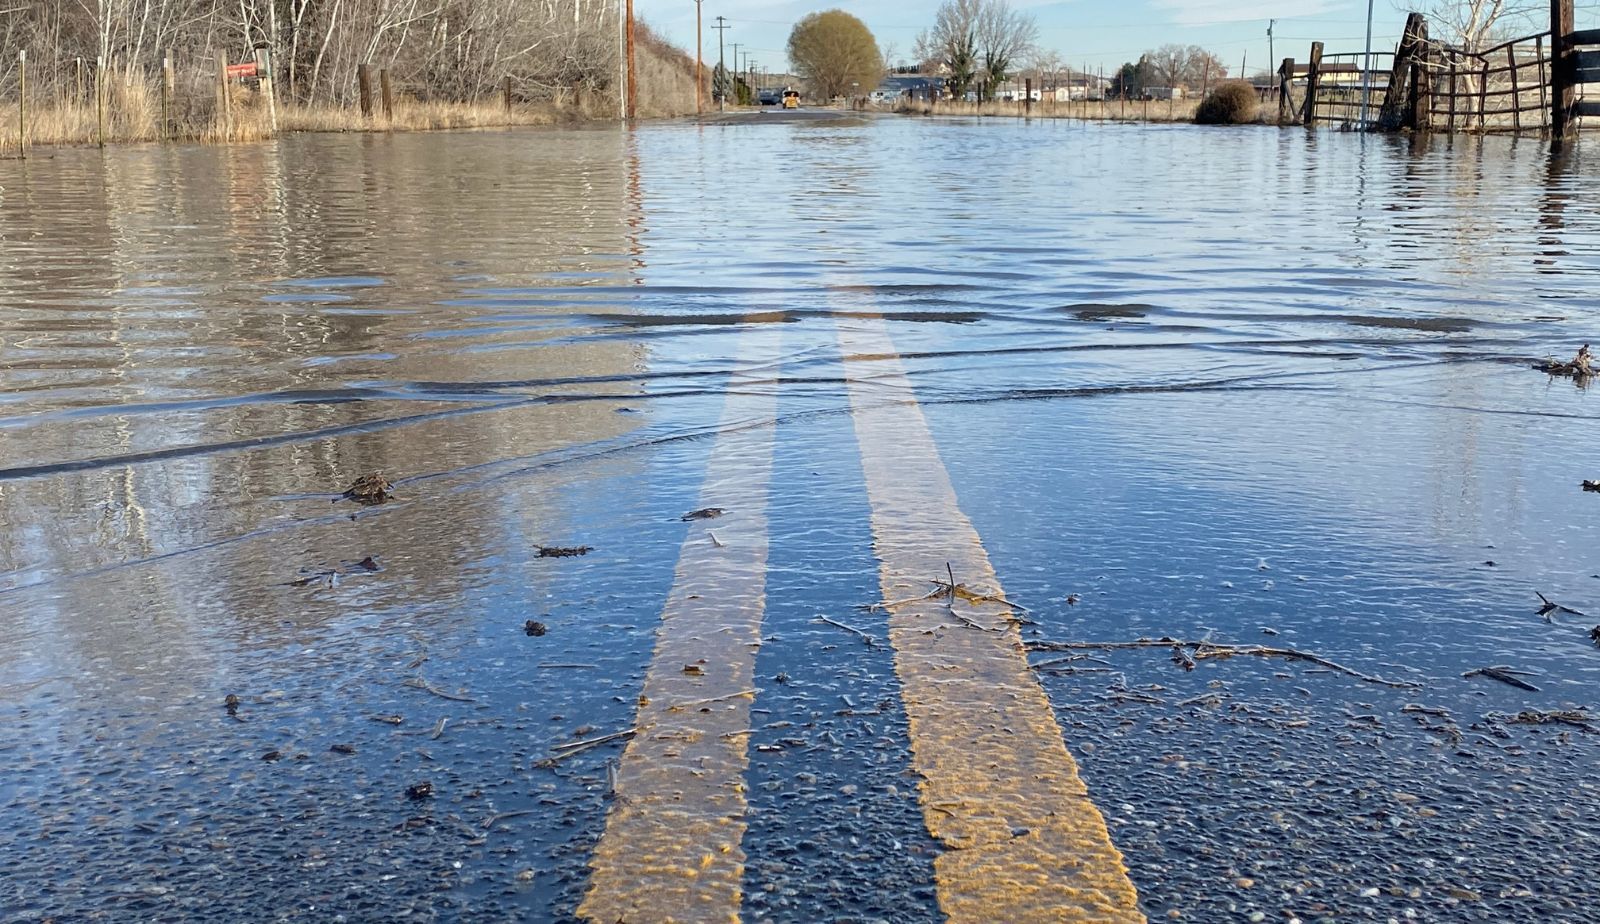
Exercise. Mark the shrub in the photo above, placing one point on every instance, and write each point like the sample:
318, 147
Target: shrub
1231, 103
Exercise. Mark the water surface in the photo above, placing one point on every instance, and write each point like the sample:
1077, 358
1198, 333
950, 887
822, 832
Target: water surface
1251, 385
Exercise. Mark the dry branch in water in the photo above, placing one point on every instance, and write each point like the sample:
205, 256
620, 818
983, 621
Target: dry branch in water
1203, 650
1579, 367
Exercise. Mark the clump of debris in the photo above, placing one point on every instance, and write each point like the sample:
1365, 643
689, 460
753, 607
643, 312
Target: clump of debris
1579, 367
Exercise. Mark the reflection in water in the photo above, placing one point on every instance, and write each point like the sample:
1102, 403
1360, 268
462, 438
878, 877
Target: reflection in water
1293, 334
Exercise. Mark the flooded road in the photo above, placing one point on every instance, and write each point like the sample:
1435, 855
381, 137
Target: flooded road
1222, 387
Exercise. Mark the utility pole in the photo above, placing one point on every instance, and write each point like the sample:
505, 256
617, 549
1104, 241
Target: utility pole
1271, 55
735, 66
633, 81
722, 68
699, 56
1366, 71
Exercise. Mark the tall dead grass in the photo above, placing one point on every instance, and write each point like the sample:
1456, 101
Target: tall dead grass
1095, 110
195, 112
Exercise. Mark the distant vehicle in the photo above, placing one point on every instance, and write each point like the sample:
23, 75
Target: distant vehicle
881, 97
769, 97
791, 99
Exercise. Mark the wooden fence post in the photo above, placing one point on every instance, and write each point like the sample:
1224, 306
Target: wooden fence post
364, 84
1027, 89
1394, 113
1313, 77
388, 97
1516, 90
22, 104
508, 94
1563, 69
1422, 92
100, 100
1285, 86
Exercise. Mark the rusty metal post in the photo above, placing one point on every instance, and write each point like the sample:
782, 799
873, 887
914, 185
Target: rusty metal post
1452, 127
1563, 69
1516, 90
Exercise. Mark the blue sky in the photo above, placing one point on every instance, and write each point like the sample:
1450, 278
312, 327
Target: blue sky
1096, 32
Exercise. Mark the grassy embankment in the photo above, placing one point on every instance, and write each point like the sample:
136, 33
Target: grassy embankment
133, 109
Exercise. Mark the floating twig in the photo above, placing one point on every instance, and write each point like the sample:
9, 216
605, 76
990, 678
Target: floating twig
1505, 675
564, 551
709, 700
1055, 663
438, 729
1550, 606
421, 684
871, 642
495, 819
561, 752
1206, 649
1574, 717
591, 742
552, 665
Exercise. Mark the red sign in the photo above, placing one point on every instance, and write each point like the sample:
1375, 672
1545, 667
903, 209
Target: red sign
242, 70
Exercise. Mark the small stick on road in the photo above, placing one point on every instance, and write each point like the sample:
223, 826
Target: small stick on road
1204, 649
871, 642
1505, 675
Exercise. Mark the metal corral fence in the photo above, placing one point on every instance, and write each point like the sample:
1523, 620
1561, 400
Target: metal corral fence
1532, 83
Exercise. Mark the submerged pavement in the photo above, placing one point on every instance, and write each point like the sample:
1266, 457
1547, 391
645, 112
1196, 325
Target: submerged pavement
882, 478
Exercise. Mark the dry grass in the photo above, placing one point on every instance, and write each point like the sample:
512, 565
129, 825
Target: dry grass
1110, 111
133, 109
1232, 103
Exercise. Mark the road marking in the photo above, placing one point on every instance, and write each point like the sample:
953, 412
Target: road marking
1022, 840
671, 847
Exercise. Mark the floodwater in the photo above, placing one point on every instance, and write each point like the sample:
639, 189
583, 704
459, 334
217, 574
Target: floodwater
1240, 386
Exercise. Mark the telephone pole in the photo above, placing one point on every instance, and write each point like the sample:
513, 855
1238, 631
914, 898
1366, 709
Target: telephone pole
699, 56
722, 67
633, 82
1271, 55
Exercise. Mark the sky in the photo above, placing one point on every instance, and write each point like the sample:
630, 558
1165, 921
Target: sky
1093, 32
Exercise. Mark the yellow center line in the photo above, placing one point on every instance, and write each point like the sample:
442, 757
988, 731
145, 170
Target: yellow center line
671, 846
1022, 840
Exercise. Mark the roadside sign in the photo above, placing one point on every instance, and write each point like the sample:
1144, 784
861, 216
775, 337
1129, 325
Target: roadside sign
242, 70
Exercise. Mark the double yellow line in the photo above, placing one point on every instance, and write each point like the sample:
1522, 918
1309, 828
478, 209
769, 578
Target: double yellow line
1022, 840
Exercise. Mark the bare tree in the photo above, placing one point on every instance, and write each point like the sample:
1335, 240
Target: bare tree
951, 45
1473, 25
1004, 36
1180, 66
